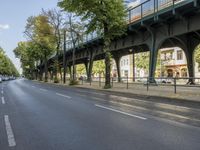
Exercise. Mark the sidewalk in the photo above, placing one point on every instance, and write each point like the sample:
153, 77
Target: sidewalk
188, 93
183, 93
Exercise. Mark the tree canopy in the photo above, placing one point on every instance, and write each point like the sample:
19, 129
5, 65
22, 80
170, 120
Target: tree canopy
6, 65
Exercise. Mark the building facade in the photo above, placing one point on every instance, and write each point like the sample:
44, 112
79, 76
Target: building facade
171, 63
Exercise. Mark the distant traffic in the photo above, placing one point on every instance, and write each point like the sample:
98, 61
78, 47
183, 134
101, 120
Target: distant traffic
6, 78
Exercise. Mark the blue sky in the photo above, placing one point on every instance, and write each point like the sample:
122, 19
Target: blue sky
13, 15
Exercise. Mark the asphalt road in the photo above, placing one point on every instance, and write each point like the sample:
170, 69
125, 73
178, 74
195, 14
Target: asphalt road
35, 116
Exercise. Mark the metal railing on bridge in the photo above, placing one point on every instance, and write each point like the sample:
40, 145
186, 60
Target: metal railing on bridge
150, 7
136, 13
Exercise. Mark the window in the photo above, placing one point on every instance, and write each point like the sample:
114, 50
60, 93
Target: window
165, 56
171, 55
179, 55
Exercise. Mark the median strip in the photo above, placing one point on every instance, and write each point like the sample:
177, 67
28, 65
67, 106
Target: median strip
121, 112
10, 135
63, 95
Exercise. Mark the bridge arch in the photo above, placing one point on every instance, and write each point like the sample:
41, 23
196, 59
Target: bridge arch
188, 45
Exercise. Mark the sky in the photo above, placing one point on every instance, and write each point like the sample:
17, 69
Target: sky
13, 16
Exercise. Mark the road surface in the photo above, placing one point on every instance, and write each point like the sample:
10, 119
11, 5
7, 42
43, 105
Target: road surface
37, 116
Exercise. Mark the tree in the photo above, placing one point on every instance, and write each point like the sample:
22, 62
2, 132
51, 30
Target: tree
6, 65
80, 69
40, 32
55, 18
99, 67
75, 31
29, 54
142, 60
106, 16
197, 55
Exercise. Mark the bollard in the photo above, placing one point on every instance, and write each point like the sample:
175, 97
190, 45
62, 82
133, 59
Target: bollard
112, 81
175, 85
99, 81
127, 83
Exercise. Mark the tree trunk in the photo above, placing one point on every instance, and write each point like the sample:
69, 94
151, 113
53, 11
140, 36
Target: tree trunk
107, 67
107, 56
61, 76
46, 70
64, 60
73, 65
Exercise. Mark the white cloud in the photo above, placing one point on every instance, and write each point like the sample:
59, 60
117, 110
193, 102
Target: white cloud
4, 26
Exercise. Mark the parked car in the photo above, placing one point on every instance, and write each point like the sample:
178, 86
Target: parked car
164, 80
0, 79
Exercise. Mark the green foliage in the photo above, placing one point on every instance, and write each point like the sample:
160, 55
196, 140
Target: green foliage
197, 55
40, 45
98, 13
73, 82
142, 60
6, 65
28, 53
98, 67
40, 33
80, 69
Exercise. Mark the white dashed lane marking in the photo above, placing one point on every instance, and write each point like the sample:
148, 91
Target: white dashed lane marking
121, 112
9, 131
64, 95
2, 100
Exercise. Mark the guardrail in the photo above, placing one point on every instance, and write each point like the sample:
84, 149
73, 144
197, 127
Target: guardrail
150, 7
127, 82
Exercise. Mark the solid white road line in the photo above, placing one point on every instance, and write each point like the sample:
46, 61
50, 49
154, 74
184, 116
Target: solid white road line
139, 117
43, 89
11, 138
2, 100
64, 95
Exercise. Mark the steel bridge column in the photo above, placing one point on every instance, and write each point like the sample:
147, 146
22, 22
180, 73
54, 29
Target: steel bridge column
153, 59
190, 59
133, 66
